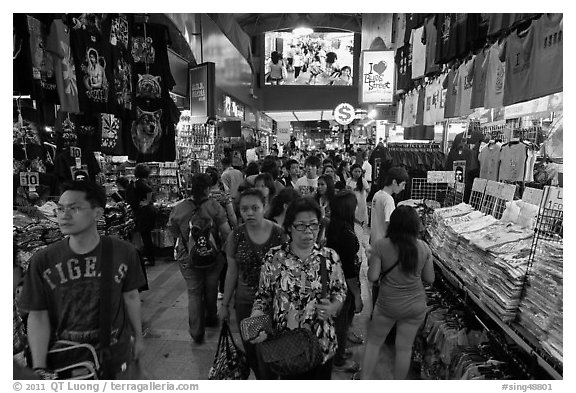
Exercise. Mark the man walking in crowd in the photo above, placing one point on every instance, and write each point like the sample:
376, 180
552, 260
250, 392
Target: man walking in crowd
367, 169
231, 177
293, 169
63, 287
202, 282
308, 184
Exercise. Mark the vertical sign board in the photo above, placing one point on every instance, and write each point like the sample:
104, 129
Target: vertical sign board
553, 198
377, 83
202, 90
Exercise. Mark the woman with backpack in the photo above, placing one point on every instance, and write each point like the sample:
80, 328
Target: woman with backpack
199, 224
245, 250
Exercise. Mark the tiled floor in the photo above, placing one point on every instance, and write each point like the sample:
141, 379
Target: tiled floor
171, 354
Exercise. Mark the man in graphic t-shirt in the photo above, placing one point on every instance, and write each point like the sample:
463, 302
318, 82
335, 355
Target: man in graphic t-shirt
63, 285
308, 184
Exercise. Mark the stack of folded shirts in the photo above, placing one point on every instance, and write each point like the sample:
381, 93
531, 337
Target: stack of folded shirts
541, 309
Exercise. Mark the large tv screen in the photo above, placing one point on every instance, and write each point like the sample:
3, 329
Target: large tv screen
320, 59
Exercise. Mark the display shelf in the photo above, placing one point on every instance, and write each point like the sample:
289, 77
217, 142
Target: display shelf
515, 332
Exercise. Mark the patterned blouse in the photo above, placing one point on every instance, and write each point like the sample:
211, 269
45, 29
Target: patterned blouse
290, 288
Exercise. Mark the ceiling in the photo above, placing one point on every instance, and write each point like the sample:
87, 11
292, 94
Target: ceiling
254, 24
301, 115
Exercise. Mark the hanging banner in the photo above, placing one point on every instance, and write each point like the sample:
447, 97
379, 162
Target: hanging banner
377, 83
202, 91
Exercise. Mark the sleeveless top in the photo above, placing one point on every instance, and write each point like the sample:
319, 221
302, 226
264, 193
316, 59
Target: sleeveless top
249, 256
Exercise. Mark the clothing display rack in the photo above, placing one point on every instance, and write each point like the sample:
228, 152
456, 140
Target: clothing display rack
522, 300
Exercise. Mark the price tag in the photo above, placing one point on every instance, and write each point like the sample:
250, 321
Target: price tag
30, 179
532, 195
76, 152
506, 191
479, 185
492, 188
553, 198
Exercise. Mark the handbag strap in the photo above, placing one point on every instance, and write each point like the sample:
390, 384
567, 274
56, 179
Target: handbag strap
323, 277
382, 275
105, 291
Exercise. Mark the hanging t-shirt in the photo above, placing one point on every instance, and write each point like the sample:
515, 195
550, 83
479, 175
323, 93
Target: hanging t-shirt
399, 111
403, 60
43, 73
445, 29
64, 165
547, 71
512, 162
418, 53
420, 101
111, 129
478, 75
84, 126
91, 66
451, 86
117, 32
530, 162
518, 52
495, 78
434, 106
501, 23
21, 62
490, 161
429, 38
64, 69
410, 109
464, 88
413, 21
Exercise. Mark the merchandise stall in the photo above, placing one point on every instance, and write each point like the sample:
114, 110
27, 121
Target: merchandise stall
499, 261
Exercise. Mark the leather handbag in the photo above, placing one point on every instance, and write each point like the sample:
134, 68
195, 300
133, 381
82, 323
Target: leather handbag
251, 327
297, 351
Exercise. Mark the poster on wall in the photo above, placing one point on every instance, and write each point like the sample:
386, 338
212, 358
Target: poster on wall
202, 91
377, 77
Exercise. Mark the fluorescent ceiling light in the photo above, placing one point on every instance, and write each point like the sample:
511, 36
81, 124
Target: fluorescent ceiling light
302, 31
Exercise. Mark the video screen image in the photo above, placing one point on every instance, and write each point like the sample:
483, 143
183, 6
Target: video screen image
317, 59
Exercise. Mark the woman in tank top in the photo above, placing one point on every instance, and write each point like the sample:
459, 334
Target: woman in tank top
245, 250
401, 262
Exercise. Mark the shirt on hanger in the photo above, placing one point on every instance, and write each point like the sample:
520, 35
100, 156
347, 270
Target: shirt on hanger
418, 53
547, 72
451, 86
64, 70
429, 38
478, 75
495, 77
43, 74
518, 52
512, 162
403, 60
445, 29
464, 87
490, 161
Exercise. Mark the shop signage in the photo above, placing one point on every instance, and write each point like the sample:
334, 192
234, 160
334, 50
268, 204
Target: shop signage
377, 77
440, 177
232, 108
344, 114
532, 195
265, 123
553, 198
202, 90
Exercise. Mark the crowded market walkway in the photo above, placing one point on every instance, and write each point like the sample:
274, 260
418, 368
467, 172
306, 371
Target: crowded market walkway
170, 353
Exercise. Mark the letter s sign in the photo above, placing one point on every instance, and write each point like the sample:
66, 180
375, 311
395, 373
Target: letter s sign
344, 114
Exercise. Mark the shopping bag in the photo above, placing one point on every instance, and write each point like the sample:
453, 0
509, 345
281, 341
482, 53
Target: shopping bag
229, 362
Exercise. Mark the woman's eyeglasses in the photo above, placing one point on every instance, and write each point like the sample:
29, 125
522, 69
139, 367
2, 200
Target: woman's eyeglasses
302, 227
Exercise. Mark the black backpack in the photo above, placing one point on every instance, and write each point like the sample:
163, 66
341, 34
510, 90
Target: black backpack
201, 244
